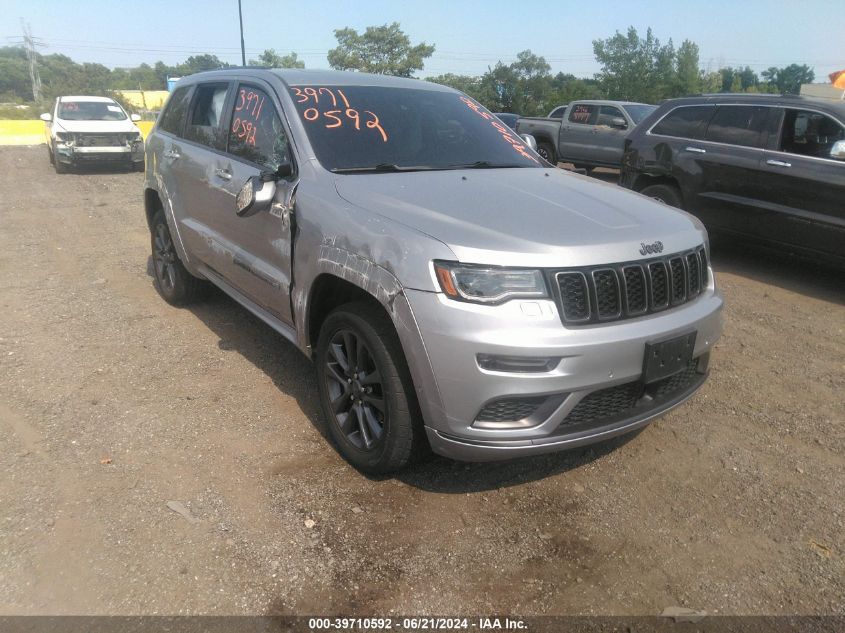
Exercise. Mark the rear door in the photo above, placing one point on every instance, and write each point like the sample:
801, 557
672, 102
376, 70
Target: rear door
164, 149
728, 158
576, 143
803, 200
194, 161
257, 140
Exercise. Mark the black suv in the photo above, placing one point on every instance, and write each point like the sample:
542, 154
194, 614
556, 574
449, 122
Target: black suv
762, 166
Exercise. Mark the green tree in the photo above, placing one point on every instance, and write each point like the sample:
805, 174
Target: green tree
199, 63
15, 84
788, 80
384, 50
687, 72
271, 59
635, 68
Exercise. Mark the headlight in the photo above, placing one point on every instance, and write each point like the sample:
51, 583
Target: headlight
489, 284
133, 137
64, 137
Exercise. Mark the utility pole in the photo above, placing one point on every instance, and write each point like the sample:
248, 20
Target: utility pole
241, 20
29, 45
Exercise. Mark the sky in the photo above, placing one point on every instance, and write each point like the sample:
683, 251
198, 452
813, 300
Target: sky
469, 35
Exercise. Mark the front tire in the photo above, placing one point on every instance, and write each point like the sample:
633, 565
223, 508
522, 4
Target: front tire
547, 151
366, 393
668, 194
172, 280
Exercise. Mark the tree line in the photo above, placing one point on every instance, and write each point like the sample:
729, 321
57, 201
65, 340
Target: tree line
633, 68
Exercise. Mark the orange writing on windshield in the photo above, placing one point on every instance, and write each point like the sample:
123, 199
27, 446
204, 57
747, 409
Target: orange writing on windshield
331, 107
506, 132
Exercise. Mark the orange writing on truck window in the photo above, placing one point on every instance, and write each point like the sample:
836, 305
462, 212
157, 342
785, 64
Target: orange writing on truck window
515, 142
339, 112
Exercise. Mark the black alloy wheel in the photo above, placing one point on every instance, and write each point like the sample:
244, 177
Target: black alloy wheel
356, 391
367, 396
172, 280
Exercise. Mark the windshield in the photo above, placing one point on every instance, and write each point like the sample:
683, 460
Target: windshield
639, 111
363, 128
90, 111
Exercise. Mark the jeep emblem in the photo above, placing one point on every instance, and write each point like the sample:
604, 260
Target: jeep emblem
649, 249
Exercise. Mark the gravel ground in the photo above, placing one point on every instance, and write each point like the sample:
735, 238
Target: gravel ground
114, 404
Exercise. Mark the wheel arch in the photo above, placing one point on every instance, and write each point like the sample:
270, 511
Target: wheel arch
329, 291
152, 204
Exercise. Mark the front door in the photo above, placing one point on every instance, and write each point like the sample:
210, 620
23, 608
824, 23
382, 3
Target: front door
577, 137
260, 262
804, 196
610, 139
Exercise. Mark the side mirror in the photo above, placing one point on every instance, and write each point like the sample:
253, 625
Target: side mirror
46, 117
255, 196
618, 122
135, 117
530, 141
837, 152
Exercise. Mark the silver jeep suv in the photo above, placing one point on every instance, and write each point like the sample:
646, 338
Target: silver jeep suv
451, 287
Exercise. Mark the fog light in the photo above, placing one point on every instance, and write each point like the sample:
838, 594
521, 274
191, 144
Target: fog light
518, 364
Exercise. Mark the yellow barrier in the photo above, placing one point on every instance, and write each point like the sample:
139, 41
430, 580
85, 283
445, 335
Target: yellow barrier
21, 132
27, 132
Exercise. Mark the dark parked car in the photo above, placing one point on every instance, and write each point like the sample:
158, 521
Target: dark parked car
508, 118
767, 167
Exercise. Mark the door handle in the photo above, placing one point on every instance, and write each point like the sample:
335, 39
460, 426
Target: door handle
172, 154
778, 163
222, 173
696, 150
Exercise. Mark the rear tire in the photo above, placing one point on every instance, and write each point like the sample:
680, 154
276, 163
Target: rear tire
668, 194
172, 280
547, 151
366, 393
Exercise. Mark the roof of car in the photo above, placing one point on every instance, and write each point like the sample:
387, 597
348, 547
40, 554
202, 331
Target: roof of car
605, 102
307, 77
86, 98
769, 99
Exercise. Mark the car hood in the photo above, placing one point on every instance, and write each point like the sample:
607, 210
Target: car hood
95, 127
524, 217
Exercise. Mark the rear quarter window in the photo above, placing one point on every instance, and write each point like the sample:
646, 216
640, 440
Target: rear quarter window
685, 122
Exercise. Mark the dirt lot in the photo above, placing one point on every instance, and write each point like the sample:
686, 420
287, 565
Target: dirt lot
113, 403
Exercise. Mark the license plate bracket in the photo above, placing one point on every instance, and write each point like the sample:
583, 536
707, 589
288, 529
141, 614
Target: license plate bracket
664, 358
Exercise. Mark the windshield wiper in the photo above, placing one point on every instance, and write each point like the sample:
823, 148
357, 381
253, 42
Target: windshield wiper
381, 167
486, 164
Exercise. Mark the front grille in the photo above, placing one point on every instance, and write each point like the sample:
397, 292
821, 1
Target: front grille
616, 401
510, 409
100, 140
626, 290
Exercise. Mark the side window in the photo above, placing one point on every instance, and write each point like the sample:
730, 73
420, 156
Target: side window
737, 125
607, 114
256, 133
557, 113
174, 112
205, 119
685, 122
809, 133
583, 113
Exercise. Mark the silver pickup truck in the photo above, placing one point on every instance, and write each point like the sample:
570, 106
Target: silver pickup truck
452, 290
590, 134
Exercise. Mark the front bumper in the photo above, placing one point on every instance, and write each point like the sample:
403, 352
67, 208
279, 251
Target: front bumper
74, 155
593, 360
